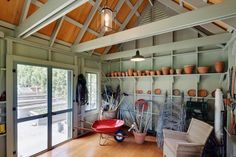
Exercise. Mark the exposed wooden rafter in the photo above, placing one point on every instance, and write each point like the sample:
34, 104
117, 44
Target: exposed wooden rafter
196, 4
56, 30
87, 22
48, 13
25, 10
194, 18
68, 19
136, 6
191, 43
131, 7
210, 27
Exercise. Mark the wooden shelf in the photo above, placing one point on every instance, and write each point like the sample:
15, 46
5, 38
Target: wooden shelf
175, 75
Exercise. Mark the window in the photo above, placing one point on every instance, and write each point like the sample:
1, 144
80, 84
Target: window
92, 85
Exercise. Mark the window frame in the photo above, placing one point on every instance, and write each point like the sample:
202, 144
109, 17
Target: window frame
97, 72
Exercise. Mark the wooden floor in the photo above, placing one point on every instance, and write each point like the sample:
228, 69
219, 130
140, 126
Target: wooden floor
88, 147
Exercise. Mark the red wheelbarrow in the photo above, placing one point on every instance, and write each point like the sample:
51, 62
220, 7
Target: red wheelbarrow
106, 129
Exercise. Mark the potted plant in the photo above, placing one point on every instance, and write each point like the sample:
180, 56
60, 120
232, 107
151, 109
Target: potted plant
141, 122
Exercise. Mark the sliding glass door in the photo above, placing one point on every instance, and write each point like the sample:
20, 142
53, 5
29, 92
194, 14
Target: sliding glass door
42, 108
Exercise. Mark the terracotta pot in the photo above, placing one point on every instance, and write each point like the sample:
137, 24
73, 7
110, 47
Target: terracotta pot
192, 92
188, 69
172, 71
219, 66
123, 74
130, 72
213, 93
157, 91
202, 93
227, 101
165, 70
139, 137
135, 73
158, 72
152, 72
203, 70
147, 72
139, 72
143, 74
112, 74
108, 74
115, 74
149, 92
119, 73
179, 71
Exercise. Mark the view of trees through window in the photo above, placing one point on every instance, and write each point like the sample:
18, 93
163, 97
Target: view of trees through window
92, 84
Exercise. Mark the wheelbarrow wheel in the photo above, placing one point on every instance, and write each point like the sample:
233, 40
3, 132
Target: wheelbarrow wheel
119, 136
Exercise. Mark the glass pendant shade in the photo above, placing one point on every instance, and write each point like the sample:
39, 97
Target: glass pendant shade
106, 19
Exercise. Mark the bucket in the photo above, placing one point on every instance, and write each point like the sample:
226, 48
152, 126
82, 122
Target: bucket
109, 115
139, 137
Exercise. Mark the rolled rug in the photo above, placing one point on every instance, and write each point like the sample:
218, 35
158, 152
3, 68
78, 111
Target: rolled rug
219, 106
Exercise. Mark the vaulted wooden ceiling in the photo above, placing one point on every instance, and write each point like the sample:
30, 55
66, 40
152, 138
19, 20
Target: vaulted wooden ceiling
73, 23
11, 11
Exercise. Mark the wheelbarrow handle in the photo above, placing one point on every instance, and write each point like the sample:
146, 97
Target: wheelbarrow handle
84, 129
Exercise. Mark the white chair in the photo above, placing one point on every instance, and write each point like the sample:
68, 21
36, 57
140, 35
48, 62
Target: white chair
187, 144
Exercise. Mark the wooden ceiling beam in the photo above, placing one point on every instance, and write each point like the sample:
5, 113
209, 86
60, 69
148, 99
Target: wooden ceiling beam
196, 4
88, 21
132, 7
185, 44
180, 9
201, 16
25, 10
68, 19
48, 13
56, 30
131, 14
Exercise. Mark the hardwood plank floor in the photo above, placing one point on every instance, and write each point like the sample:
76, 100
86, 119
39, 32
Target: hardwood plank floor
88, 146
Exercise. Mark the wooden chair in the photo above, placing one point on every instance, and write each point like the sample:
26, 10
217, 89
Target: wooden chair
187, 144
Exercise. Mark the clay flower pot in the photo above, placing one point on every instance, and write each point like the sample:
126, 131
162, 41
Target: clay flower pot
139, 72
165, 70
157, 91
219, 66
126, 74
149, 92
147, 72
179, 71
123, 74
152, 72
202, 93
203, 70
130, 72
188, 69
158, 72
139, 137
119, 73
143, 74
135, 73
172, 71
115, 74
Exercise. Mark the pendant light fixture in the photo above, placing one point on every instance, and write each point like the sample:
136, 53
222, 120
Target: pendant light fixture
137, 57
106, 18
